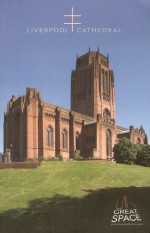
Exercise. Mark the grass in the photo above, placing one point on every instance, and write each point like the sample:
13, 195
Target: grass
61, 197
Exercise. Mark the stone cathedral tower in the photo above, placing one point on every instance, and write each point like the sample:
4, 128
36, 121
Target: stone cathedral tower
92, 94
92, 86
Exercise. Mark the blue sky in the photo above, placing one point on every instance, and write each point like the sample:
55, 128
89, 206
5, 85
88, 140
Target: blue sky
45, 60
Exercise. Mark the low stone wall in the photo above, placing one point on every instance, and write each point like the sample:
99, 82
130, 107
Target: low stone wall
15, 165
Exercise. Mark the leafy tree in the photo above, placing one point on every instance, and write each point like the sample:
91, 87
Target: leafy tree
143, 156
125, 152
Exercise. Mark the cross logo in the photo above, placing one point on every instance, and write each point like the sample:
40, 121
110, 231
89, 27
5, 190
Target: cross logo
72, 23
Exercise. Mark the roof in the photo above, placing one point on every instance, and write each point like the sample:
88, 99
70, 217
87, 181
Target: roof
124, 132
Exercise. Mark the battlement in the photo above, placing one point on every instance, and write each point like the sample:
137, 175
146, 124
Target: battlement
137, 130
32, 93
92, 57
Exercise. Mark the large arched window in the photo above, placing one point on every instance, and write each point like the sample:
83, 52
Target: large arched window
77, 141
64, 139
108, 144
49, 136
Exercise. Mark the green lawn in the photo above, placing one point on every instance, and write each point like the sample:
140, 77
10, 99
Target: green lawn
69, 197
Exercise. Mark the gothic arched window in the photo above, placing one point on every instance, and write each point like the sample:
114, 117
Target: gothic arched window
106, 114
64, 139
49, 136
108, 144
77, 141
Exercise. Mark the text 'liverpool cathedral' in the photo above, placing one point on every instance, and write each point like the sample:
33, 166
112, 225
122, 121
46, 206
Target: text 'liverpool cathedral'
33, 128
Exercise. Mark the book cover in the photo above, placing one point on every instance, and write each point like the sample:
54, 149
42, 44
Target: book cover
74, 81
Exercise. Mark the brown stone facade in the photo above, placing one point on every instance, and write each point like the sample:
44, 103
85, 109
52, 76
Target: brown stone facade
135, 135
33, 128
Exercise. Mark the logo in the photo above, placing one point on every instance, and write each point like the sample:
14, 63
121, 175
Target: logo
72, 23
125, 213
72, 20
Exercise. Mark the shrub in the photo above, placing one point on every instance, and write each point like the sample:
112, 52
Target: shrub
29, 160
51, 159
143, 156
41, 158
60, 157
125, 152
78, 157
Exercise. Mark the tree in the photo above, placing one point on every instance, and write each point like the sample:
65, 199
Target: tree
125, 152
143, 156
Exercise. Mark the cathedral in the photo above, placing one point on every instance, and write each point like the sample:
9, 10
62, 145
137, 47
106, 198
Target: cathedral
34, 128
